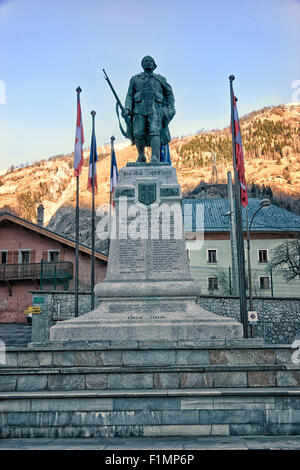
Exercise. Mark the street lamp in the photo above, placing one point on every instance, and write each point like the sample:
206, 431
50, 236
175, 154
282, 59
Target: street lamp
264, 204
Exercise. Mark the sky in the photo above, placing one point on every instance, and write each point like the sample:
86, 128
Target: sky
49, 47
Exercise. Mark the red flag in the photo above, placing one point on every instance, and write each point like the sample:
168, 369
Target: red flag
79, 140
239, 157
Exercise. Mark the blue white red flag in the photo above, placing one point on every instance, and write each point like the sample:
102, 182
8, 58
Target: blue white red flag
239, 157
79, 140
113, 176
93, 156
165, 154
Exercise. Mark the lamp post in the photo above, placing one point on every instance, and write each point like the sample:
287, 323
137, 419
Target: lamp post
264, 203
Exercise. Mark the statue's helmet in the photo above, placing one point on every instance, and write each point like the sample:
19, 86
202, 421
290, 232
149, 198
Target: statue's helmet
146, 59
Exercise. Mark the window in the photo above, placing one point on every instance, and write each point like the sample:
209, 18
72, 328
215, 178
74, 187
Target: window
212, 283
3, 257
264, 282
53, 256
263, 256
212, 256
188, 253
25, 256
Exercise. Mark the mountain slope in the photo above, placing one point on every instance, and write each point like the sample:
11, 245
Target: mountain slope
271, 141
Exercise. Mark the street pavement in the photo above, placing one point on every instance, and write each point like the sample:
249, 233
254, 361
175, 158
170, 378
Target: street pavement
156, 443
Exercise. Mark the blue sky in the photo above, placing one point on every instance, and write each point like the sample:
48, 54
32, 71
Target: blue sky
48, 48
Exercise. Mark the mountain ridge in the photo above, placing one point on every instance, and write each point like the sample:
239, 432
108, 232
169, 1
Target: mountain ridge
271, 142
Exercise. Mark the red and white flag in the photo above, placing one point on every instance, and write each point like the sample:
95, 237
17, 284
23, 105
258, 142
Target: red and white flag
239, 157
79, 140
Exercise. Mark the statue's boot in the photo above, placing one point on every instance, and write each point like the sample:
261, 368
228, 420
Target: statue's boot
155, 147
140, 145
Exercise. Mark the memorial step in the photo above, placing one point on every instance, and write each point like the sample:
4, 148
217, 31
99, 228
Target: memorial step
217, 411
159, 377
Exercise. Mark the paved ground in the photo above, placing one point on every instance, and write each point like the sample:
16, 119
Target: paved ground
168, 443
15, 334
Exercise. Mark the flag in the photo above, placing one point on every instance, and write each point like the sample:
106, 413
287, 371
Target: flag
93, 156
239, 157
113, 176
79, 140
165, 154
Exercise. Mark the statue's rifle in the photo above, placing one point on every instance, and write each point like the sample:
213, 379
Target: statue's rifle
128, 133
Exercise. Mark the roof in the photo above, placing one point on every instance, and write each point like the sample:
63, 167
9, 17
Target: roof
271, 219
6, 216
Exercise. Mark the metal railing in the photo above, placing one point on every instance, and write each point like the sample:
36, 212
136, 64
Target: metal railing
61, 270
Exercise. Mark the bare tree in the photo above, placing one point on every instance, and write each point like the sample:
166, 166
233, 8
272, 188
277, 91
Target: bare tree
285, 259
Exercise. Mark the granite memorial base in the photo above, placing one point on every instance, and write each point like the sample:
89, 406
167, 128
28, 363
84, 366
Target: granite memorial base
147, 311
148, 292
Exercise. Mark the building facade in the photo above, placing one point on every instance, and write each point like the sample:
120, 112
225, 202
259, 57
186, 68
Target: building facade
34, 258
207, 230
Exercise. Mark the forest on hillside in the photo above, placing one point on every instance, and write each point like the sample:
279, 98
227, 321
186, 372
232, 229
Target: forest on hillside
266, 139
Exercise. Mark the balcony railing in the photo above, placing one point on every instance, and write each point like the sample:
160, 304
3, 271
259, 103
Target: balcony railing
60, 271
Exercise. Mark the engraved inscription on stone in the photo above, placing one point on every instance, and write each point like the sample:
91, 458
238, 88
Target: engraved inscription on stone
165, 256
128, 192
131, 257
143, 317
147, 308
168, 192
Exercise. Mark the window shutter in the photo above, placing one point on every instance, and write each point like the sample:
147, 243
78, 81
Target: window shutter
10, 257
32, 256
45, 256
15, 257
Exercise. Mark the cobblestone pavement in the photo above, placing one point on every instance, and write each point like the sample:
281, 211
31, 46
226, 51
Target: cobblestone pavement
168, 443
15, 334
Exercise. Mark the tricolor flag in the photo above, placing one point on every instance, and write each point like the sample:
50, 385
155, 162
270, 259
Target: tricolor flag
113, 176
79, 140
239, 157
93, 156
165, 154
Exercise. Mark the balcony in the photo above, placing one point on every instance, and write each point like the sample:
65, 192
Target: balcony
54, 272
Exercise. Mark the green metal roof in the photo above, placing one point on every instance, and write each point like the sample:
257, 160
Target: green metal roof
271, 219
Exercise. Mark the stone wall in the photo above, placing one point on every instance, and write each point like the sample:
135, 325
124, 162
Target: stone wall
278, 318
56, 306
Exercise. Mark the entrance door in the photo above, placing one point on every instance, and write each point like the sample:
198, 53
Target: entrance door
24, 260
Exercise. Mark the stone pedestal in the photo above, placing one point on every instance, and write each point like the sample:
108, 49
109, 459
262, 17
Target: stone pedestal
148, 293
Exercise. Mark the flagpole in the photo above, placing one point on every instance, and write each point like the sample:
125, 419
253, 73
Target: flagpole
112, 139
239, 226
93, 113
78, 90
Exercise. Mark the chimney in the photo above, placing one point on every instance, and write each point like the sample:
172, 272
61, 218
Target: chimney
40, 215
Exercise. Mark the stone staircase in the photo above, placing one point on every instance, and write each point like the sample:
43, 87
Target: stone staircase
143, 388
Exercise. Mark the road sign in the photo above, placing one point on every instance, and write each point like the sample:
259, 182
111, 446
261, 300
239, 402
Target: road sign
32, 310
252, 317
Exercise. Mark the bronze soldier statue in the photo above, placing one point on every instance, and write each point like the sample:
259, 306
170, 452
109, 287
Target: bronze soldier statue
150, 106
